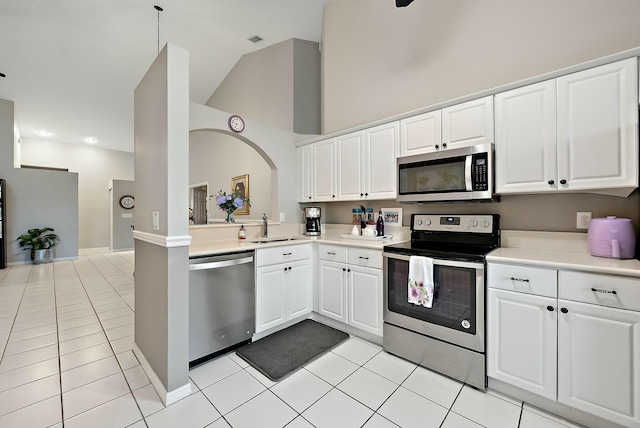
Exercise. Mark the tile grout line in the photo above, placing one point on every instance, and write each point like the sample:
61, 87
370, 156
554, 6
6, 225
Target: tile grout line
55, 301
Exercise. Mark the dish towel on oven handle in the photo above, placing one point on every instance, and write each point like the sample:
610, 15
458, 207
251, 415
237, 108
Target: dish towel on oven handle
421, 281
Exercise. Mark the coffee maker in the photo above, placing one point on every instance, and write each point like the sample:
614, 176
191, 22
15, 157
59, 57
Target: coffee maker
312, 221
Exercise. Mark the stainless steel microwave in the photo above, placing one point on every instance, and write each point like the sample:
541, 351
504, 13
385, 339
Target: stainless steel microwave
452, 175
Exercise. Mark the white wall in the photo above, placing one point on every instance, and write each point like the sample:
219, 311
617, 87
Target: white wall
380, 61
215, 158
95, 167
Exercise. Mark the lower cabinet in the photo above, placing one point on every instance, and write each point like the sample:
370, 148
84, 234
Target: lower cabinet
581, 348
350, 286
284, 288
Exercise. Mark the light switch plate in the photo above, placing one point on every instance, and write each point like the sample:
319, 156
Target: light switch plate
281, 217
156, 220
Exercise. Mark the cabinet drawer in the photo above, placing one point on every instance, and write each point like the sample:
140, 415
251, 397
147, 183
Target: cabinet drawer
332, 253
604, 290
523, 279
288, 253
365, 257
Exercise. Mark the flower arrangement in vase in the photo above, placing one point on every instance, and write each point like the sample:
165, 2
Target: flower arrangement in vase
230, 202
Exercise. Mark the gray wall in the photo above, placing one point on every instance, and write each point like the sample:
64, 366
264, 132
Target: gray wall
121, 233
36, 198
380, 61
161, 139
95, 167
215, 158
278, 86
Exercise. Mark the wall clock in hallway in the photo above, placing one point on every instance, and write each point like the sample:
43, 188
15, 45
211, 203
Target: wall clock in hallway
127, 202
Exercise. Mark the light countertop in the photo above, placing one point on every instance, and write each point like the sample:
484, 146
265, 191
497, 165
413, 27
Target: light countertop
572, 260
236, 245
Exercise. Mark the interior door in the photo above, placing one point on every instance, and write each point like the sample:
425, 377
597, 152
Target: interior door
200, 205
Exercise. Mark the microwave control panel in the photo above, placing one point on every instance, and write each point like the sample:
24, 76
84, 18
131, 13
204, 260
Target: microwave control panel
479, 171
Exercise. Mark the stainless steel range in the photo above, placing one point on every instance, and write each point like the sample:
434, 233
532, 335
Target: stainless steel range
448, 336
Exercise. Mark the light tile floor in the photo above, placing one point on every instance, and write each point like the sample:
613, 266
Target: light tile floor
66, 332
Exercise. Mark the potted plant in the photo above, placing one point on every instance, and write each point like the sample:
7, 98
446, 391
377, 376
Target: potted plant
41, 244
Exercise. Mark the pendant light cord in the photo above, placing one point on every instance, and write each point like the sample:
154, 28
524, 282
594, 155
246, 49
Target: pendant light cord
159, 9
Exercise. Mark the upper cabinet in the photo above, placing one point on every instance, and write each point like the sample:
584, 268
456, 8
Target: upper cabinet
575, 133
356, 166
457, 126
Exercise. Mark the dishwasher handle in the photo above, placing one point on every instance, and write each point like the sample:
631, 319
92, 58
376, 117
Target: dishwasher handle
221, 264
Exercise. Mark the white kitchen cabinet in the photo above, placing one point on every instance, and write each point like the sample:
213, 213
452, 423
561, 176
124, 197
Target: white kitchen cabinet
332, 282
460, 125
366, 163
525, 147
421, 133
284, 286
578, 132
599, 361
597, 319
324, 171
522, 340
350, 166
350, 286
468, 123
305, 173
598, 127
365, 298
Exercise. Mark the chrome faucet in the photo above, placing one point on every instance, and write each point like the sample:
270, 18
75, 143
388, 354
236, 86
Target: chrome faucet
265, 230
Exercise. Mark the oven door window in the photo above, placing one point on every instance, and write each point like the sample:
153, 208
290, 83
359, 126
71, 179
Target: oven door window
454, 300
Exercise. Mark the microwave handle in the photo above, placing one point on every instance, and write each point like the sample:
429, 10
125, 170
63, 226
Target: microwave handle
467, 173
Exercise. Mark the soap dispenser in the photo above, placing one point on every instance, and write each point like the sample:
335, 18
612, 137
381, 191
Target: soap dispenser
242, 233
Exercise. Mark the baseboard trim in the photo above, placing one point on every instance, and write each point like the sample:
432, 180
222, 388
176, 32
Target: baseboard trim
167, 398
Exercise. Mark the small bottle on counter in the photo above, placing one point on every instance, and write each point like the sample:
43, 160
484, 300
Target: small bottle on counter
380, 224
242, 233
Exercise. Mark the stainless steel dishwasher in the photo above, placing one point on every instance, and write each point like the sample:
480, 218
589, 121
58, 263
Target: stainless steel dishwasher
221, 303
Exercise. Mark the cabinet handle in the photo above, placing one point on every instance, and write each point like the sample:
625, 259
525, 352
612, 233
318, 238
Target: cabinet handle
285, 269
444, 145
289, 267
602, 290
437, 146
365, 258
286, 254
551, 182
550, 308
309, 197
333, 196
331, 253
564, 310
361, 194
563, 181
366, 194
519, 279
348, 270
344, 269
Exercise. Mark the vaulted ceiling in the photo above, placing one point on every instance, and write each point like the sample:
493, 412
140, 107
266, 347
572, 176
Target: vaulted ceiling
71, 66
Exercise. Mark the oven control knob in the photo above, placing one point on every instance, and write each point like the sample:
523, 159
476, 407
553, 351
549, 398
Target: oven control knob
419, 222
427, 222
485, 223
474, 223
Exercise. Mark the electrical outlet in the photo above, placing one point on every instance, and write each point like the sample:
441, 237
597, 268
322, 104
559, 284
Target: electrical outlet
582, 220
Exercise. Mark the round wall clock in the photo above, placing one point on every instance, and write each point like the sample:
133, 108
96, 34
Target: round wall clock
236, 123
127, 202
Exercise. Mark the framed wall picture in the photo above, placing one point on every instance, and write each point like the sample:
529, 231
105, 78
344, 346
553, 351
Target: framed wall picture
241, 184
392, 216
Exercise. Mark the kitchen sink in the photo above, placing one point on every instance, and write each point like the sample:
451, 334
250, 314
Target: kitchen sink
269, 240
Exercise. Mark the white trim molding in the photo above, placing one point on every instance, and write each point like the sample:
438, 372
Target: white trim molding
161, 240
167, 398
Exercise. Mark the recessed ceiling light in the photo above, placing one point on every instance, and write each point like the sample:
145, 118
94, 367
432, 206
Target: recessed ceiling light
90, 140
43, 133
255, 39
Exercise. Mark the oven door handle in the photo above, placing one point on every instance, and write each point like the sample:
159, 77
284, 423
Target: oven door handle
439, 262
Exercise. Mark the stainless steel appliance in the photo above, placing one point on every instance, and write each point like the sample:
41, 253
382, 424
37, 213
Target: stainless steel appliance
464, 174
312, 221
221, 304
449, 337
